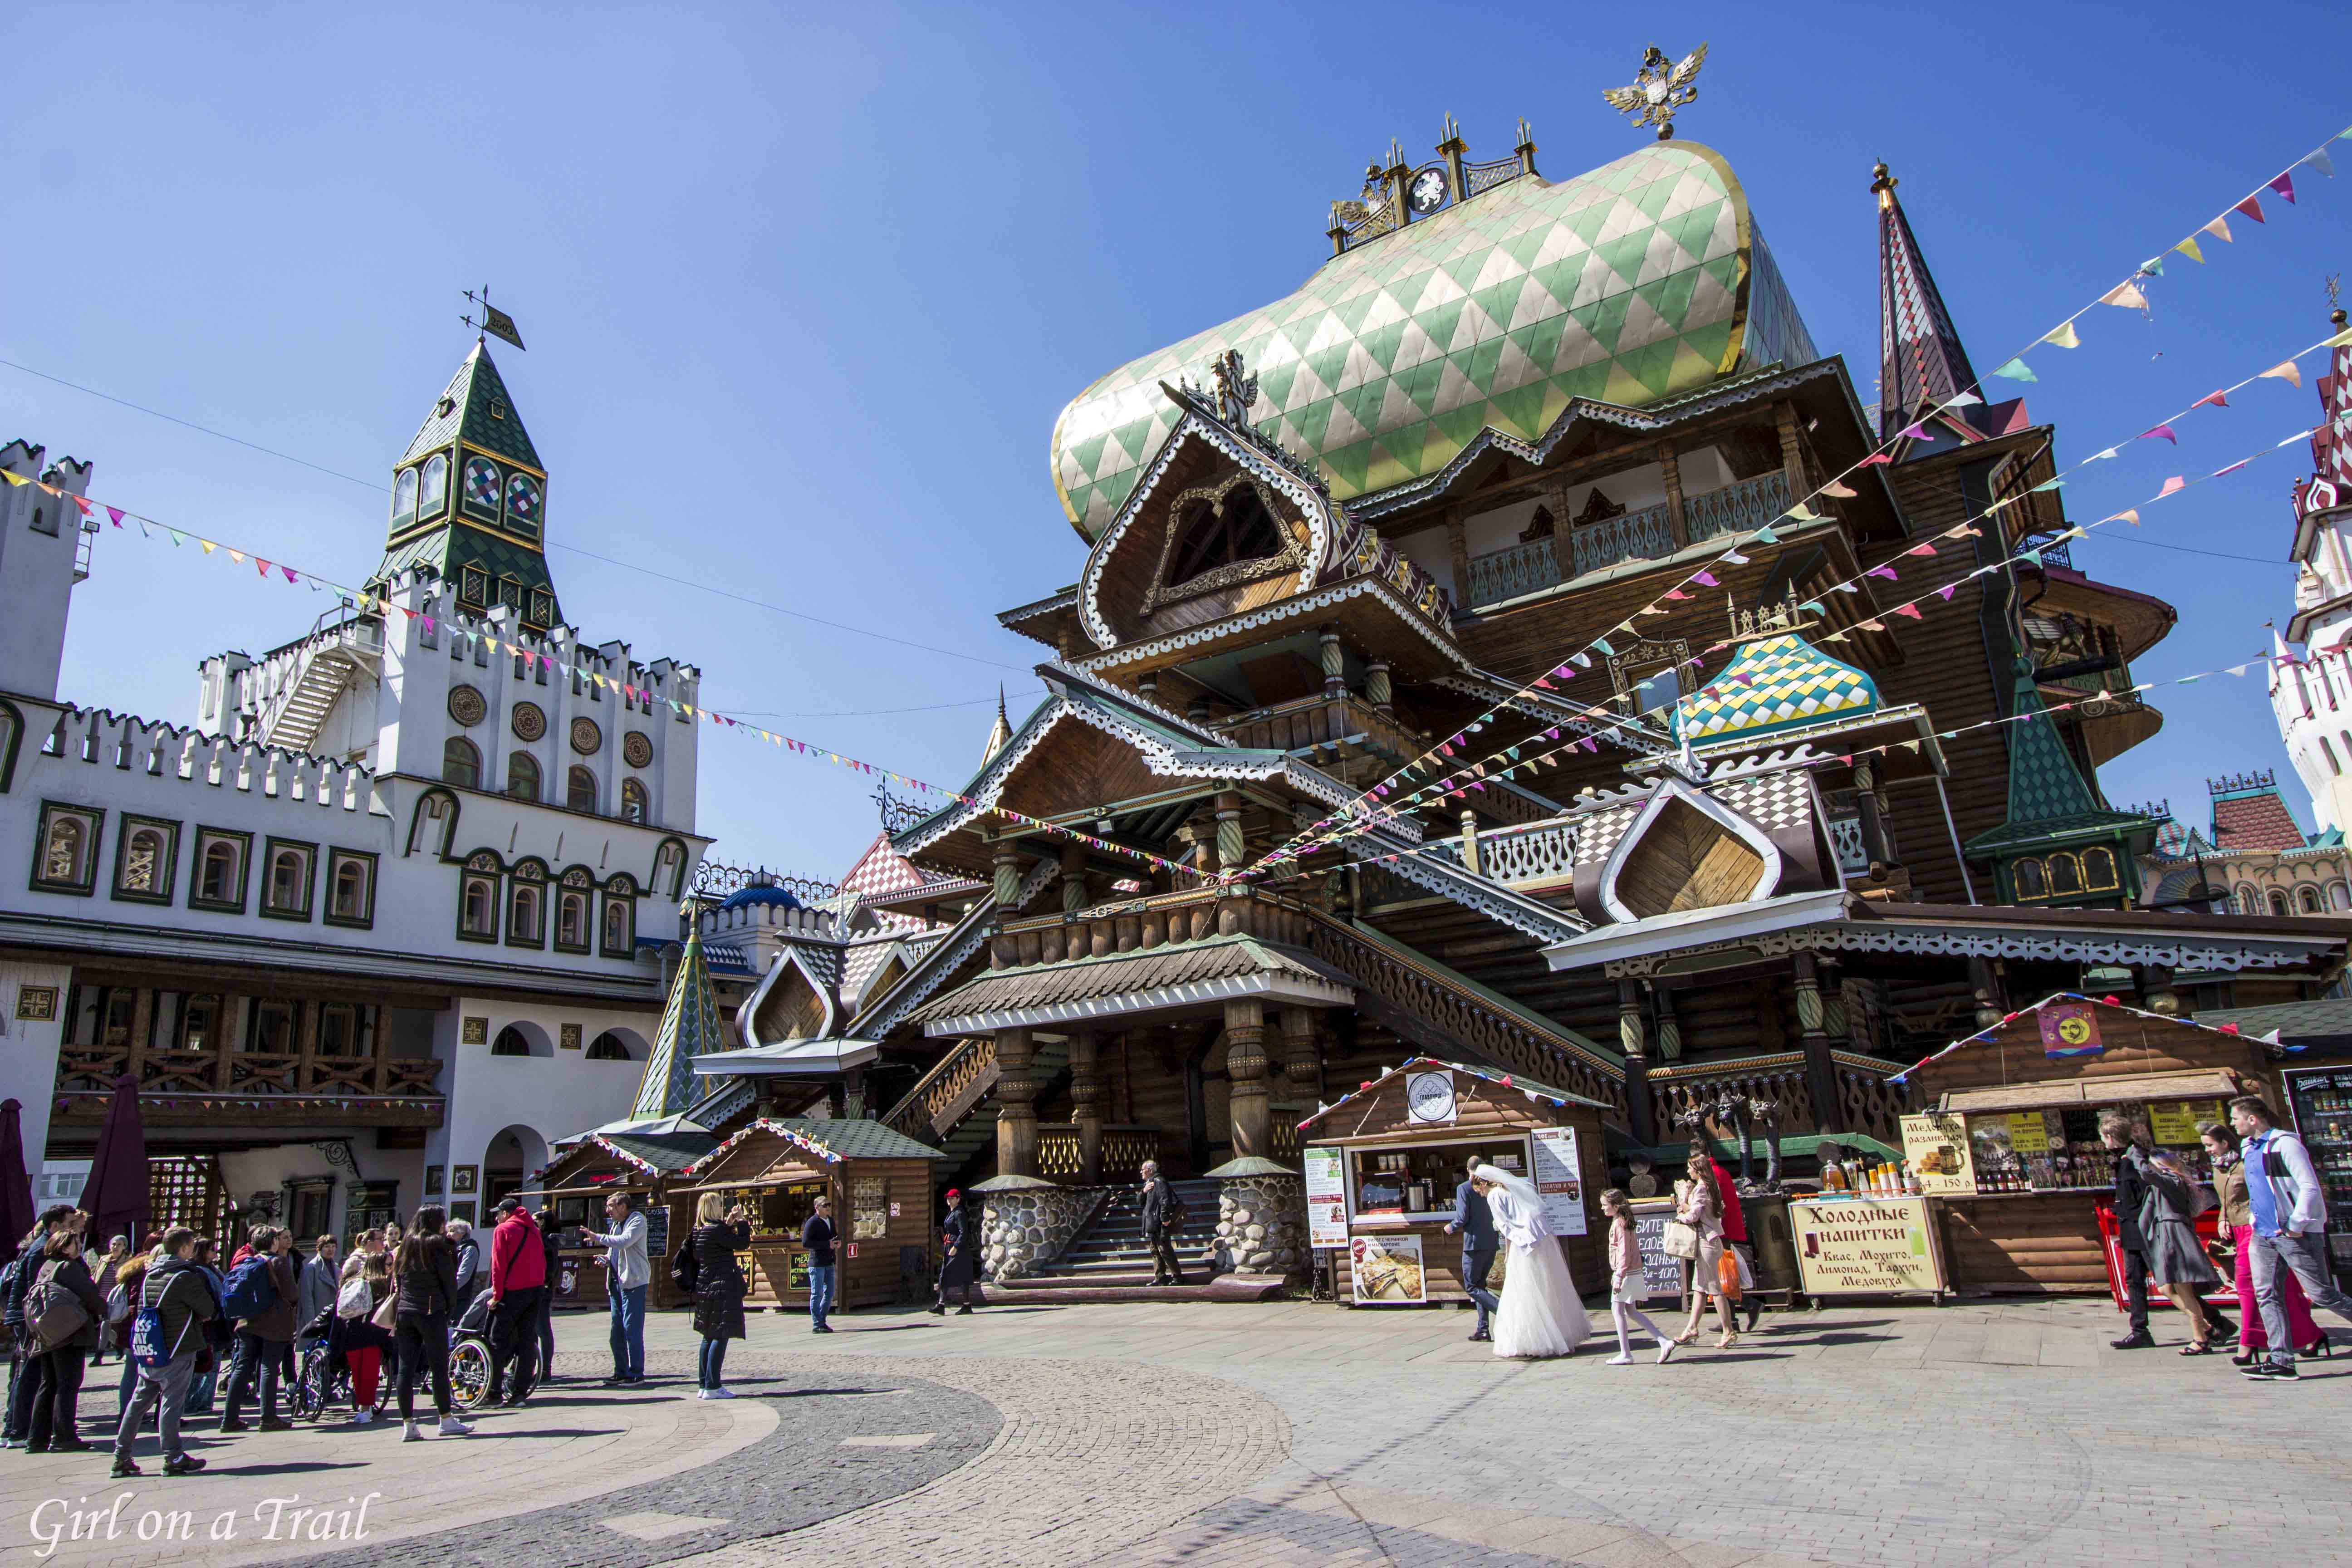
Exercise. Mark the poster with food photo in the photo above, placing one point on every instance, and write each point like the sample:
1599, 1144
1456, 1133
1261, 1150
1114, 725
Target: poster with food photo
1387, 1271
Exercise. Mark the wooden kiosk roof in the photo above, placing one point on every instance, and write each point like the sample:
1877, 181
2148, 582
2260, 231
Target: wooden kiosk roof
1376, 1109
2141, 1056
641, 1159
762, 1145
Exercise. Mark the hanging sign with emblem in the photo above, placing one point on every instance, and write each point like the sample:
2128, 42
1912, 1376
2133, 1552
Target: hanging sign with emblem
2070, 1029
1429, 1097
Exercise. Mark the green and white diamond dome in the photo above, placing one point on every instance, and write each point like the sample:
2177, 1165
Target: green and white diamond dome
1639, 281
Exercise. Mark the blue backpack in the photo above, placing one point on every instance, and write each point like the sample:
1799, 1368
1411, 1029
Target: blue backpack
251, 1292
147, 1346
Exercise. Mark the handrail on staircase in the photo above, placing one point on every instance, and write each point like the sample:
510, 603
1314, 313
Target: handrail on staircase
907, 1117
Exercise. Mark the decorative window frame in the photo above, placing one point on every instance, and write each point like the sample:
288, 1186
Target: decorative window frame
12, 732
483, 866
1291, 557
577, 882
309, 851
427, 512
644, 802
410, 480
168, 862
620, 891
474, 587
92, 819
446, 743
527, 877
1628, 669
206, 838
337, 858
486, 510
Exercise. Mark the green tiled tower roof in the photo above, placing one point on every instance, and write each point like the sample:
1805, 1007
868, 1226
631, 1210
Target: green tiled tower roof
474, 424
1638, 281
464, 412
691, 1025
2048, 801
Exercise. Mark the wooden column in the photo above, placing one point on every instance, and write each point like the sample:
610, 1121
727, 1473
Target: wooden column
1984, 984
1820, 1073
1470, 842
306, 1043
1016, 1103
1231, 846
1379, 690
1670, 1028
1792, 455
142, 1024
1676, 523
1874, 841
1073, 878
1638, 1117
1085, 1104
1008, 875
1245, 1074
1302, 1059
1457, 547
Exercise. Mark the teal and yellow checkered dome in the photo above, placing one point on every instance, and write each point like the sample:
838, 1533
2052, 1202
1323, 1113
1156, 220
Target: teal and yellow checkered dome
1778, 683
1640, 280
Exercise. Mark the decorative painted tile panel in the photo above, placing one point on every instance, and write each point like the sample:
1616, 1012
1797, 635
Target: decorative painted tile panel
1777, 684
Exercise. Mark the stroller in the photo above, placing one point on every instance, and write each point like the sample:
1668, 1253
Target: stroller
323, 1377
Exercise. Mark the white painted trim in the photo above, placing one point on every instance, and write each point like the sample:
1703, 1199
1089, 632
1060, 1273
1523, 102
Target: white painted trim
1723, 817
1272, 987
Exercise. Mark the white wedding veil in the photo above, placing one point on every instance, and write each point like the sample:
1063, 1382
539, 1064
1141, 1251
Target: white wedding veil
1520, 1189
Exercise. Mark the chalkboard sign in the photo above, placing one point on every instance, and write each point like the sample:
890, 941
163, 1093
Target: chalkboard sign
656, 1230
1662, 1274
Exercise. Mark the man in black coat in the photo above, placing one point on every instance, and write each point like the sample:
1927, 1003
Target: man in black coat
1474, 1222
2114, 1132
1161, 1215
959, 1237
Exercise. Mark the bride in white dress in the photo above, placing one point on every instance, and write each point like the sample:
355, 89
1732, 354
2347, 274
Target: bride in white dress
1541, 1314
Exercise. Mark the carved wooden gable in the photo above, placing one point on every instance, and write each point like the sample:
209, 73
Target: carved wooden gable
1686, 851
1074, 767
791, 1008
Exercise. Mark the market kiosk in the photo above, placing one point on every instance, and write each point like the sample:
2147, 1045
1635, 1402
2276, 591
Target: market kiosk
650, 1168
880, 1184
1383, 1166
2008, 1152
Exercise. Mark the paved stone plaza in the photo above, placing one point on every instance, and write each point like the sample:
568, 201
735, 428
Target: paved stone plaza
1296, 1433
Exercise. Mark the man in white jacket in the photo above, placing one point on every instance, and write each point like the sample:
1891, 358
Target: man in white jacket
2290, 1229
628, 1272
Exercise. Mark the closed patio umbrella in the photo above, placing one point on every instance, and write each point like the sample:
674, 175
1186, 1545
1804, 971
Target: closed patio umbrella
16, 1190
116, 1196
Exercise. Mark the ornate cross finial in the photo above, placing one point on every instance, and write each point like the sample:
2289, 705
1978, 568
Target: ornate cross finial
1661, 86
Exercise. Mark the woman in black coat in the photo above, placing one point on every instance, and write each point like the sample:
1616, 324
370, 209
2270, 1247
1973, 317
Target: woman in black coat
959, 1264
718, 1287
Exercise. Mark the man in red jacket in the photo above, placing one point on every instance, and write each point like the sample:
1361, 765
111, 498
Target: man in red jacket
518, 1280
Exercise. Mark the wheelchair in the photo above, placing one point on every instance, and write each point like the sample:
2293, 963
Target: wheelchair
324, 1379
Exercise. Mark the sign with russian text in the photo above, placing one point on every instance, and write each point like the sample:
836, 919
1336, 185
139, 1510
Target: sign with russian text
1386, 1270
1327, 1198
1854, 1247
1662, 1271
1559, 1179
1935, 1147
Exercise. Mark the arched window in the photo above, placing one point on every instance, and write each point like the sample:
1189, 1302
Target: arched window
620, 924
522, 776
522, 915
2066, 875
142, 862
2028, 876
2099, 870
579, 789
608, 1046
351, 894
479, 908
511, 1042
62, 855
571, 921
2278, 902
289, 880
403, 498
218, 882
1224, 532
2250, 902
2307, 898
460, 763
633, 801
434, 494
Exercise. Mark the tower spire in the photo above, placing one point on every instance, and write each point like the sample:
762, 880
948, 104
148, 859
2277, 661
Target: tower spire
1920, 357
998, 734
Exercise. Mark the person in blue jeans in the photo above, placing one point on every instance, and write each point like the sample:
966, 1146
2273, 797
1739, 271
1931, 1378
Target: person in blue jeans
628, 1272
817, 1237
2289, 1232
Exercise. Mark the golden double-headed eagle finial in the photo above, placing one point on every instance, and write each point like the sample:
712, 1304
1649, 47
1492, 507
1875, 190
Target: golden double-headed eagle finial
1661, 86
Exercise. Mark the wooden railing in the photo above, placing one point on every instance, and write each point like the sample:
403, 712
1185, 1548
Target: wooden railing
1866, 1101
1142, 924
1124, 1151
1871, 1103
945, 1094
93, 1070
1320, 721
1446, 1013
1539, 852
1736, 508
1061, 1155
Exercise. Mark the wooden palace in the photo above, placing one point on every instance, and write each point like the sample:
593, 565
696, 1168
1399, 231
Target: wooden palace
1796, 839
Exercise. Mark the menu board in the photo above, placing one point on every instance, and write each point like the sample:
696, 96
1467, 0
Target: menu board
2174, 1124
1327, 1198
1386, 1270
1848, 1246
2029, 1132
1559, 1179
1661, 1272
1936, 1146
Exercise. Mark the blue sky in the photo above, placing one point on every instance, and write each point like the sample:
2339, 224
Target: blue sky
806, 288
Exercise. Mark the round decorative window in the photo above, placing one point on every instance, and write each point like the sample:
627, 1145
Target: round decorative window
466, 706
585, 737
636, 750
530, 723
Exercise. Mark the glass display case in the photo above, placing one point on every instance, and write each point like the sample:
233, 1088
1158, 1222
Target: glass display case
2320, 1100
1417, 1182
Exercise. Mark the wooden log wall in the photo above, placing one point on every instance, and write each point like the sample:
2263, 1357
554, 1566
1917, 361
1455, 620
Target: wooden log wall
2027, 1242
2132, 1044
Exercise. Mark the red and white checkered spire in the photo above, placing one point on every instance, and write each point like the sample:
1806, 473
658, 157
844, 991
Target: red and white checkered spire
2331, 445
1921, 361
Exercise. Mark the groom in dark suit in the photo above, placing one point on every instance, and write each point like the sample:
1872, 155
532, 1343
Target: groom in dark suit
1474, 1222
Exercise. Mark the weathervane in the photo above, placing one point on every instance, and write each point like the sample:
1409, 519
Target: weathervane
494, 321
1662, 88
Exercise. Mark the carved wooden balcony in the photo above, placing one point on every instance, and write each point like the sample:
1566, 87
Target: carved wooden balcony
1143, 924
211, 1087
1645, 535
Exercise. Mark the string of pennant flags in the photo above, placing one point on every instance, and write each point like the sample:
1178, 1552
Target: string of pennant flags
1503, 763
1989, 1030
1357, 815
369, 603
